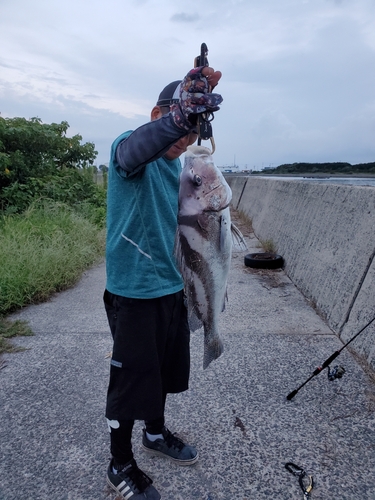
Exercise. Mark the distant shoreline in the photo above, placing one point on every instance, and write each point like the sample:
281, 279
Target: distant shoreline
313, 176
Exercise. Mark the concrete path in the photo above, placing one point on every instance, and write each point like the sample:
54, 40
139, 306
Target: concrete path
54, 438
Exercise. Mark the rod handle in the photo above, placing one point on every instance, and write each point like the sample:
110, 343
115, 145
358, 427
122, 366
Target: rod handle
330, 359
291, 394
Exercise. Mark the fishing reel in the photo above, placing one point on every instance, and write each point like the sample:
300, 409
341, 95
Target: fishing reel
336, 372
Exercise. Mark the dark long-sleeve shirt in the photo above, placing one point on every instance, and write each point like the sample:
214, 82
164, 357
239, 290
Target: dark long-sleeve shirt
148, 143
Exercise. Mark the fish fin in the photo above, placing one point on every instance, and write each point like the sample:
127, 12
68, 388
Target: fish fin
225, 299
239, 244
213, 349
177, 251
193, 315
203, 222
194, 322
224, 240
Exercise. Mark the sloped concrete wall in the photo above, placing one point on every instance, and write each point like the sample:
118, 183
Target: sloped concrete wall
237, 185
326, 234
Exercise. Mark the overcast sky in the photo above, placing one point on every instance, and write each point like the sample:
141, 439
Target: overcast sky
298, 75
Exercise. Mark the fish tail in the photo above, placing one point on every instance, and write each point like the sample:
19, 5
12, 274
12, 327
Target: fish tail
213, 349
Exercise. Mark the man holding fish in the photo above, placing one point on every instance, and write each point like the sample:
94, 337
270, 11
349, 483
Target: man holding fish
144, 296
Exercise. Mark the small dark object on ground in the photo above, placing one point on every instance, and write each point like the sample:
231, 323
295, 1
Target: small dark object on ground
265, 260
336, 372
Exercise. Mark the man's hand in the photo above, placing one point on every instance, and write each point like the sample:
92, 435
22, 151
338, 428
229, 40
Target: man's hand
196, 96
212, 76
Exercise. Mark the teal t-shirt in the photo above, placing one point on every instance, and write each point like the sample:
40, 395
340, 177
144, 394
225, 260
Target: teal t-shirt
141, 226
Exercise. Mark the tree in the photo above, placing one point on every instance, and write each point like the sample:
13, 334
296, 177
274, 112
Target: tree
30, 148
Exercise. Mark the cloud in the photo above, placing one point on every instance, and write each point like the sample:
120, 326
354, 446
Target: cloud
182, 17
297, 76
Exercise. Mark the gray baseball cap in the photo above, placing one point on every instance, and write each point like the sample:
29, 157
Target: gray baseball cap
170, 94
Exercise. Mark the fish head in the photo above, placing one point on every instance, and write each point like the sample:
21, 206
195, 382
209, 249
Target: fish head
202, 185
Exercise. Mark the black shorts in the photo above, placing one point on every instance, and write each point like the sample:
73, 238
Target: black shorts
151, 354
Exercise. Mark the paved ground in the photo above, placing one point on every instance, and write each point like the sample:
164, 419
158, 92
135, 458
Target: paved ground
54, 440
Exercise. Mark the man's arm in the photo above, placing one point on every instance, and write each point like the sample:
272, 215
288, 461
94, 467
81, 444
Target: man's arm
152, 140
147, 143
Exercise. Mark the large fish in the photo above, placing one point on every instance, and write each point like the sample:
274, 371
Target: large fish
204, 242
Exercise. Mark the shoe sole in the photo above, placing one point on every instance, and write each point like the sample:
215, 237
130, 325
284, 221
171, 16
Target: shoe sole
191, 461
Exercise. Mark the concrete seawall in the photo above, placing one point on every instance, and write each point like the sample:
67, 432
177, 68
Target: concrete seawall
326, 234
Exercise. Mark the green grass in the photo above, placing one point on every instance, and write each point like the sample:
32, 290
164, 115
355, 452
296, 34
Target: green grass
9, 329
268, 246
245, 220
44, 250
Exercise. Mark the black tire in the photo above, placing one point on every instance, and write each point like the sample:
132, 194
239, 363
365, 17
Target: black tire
266, 260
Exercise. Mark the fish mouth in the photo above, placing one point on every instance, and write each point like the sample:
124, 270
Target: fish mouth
218, 210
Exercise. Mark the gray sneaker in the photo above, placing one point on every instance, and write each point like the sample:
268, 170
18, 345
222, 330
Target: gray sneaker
131, 483
171, 447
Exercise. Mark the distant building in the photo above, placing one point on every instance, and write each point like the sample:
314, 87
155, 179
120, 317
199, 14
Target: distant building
229, 169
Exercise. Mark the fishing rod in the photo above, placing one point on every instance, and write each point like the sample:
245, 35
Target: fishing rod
337, 371
204, 119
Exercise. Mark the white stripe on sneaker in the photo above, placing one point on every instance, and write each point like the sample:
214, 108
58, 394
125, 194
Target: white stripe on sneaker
128, 496
123, 488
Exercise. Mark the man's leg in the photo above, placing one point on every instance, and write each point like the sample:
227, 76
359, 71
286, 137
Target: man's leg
157, 439
121, 447
155, 427
123, 474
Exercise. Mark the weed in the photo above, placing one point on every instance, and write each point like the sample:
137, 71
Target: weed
9, 329
44, 250
242, 220
268, 246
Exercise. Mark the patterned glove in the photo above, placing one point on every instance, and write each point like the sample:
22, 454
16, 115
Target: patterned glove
194, 99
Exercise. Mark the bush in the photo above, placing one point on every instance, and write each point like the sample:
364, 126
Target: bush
44, 250
52, 214
69, 186
30, 148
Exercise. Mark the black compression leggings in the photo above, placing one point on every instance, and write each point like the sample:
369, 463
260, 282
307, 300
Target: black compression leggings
121, 446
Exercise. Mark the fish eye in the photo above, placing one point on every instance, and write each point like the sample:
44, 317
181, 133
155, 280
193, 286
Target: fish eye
197, 180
